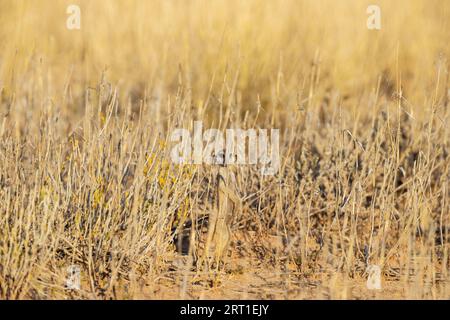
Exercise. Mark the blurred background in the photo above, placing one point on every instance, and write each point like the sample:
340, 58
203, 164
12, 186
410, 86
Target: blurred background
267, 48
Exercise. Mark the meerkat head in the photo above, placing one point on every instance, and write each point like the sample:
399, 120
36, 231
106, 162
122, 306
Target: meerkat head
219, 158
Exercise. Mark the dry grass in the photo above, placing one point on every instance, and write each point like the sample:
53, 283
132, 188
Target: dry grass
86, 177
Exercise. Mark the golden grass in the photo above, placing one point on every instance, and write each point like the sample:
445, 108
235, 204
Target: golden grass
85, 172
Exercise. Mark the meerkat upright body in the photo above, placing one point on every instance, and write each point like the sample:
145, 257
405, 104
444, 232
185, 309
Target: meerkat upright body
221, 216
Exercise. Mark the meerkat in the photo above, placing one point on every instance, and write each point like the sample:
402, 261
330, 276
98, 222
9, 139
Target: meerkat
219, 226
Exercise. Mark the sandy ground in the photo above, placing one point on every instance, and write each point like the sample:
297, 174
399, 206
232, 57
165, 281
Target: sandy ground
247, 276
264, 284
